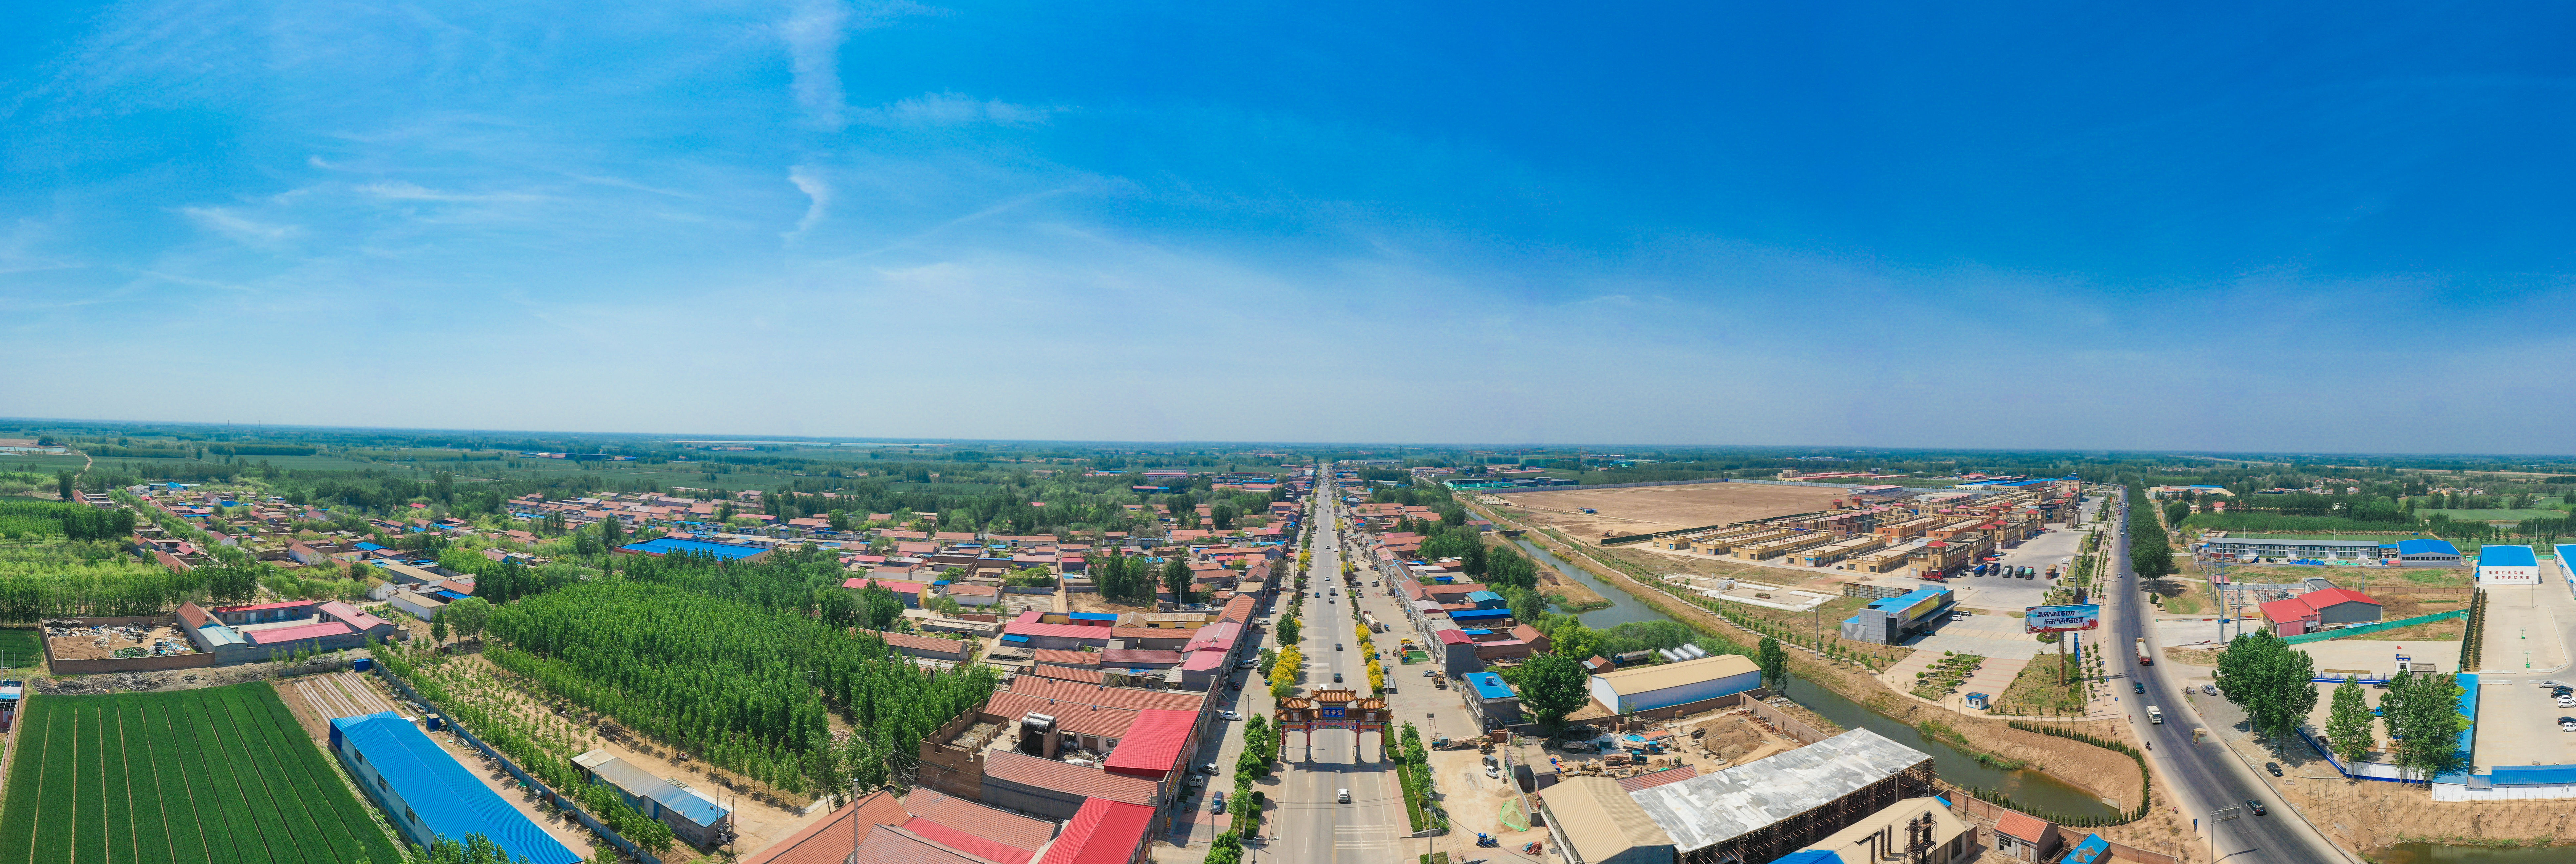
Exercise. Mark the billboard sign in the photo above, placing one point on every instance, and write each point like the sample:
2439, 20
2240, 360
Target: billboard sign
1925, 606
2061, 619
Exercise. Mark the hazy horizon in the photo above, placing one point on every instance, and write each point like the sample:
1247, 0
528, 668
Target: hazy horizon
2202, 229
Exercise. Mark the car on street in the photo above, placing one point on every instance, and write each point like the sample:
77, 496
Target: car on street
2256, 806
2138, 686
2274, 767
1337, 646
2567, 724
1216, 802
1337, 677
1229, 715
1343, 795
2209, 689
1208, 769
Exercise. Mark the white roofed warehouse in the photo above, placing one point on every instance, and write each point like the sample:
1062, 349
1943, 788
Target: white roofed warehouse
1646, 688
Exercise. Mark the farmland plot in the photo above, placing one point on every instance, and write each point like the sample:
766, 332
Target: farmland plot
221, 774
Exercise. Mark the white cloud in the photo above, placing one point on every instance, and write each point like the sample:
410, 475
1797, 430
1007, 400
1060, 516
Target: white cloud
953, 109
240, 228
817, 190
401, 191
814, 30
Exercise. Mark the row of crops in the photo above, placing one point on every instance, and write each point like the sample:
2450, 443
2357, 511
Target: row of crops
215, 775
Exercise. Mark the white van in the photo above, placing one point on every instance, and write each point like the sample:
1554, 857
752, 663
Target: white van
1344, 796
2155, 715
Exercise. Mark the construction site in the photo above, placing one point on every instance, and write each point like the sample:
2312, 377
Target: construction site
1592, 514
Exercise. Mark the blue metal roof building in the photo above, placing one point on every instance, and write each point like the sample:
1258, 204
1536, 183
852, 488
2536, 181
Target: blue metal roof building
1492, 699
428, 796
677, 546
2427, 552
2508, 565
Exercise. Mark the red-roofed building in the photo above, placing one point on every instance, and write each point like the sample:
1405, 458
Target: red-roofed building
1152, 746
1053, 789
910, 592
1643, 782
2310, 611
924, 647
924, 828
2023, 837
1102, 832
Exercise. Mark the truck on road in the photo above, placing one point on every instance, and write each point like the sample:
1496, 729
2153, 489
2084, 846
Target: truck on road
2155, 715
2144, 658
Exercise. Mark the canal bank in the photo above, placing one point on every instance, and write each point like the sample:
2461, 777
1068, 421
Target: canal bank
1994, 767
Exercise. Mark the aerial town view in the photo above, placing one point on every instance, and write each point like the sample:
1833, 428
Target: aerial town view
884, 432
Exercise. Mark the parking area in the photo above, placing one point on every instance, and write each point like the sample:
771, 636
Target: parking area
2518, 725
1982, 635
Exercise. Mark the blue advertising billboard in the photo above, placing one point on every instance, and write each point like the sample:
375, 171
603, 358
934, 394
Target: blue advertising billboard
2060, 619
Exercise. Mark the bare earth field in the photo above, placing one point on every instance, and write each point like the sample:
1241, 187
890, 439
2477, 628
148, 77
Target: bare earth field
1646, 509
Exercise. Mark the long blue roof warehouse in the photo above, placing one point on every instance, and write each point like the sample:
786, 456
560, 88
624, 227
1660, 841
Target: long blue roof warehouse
427, 795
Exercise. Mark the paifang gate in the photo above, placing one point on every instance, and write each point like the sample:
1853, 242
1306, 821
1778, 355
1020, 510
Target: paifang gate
1333, 709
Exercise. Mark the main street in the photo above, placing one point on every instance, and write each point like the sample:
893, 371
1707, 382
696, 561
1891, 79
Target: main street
2204, 772
1311, 824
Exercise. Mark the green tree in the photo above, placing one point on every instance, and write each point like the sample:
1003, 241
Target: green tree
438, 629
2424, 723
2269, 680
879, 608
1572, 639
1288, 629
1222, 516
1553, 685
63, 485
1774, 661
2348, 720
837, 605
1176, 579
467, 616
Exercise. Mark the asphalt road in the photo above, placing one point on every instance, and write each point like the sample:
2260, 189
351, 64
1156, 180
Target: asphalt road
2206, 774
1312, 824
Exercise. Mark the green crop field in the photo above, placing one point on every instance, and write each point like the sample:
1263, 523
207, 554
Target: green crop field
20, 648
222, 774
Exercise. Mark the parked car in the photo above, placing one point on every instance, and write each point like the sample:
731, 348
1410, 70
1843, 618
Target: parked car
1216, 802
2567, 724
1229, 715
1344, 795
2274, 767
2256, 806
2209, 689
1209, 768
2567, 701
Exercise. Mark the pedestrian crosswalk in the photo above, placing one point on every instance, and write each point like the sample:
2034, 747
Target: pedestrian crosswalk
1364, 838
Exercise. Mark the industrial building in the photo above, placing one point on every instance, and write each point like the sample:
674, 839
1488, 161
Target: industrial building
428, 796
2294, 548
271, 629
1893, 620
1765, 809
1492, 700
1856, 792
1593, 821
695, 818
2507, 565
1646, 688
2314, 610
2425, 552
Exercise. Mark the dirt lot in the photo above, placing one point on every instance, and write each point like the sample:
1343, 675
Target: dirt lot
1647, 509
82, 644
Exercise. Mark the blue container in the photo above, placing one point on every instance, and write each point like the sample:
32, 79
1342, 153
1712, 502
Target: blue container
363, 664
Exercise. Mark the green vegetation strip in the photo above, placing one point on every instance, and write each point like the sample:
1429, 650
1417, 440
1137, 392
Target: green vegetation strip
356, 829
18, 816
258, 833
282, 784
144, 785
180, 842
89, 817
117, 774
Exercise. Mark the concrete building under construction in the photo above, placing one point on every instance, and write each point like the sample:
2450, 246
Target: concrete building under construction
1760, 811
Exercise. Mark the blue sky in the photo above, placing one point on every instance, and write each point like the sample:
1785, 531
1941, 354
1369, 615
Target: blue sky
2194, 227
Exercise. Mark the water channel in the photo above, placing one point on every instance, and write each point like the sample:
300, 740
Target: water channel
2031, 788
